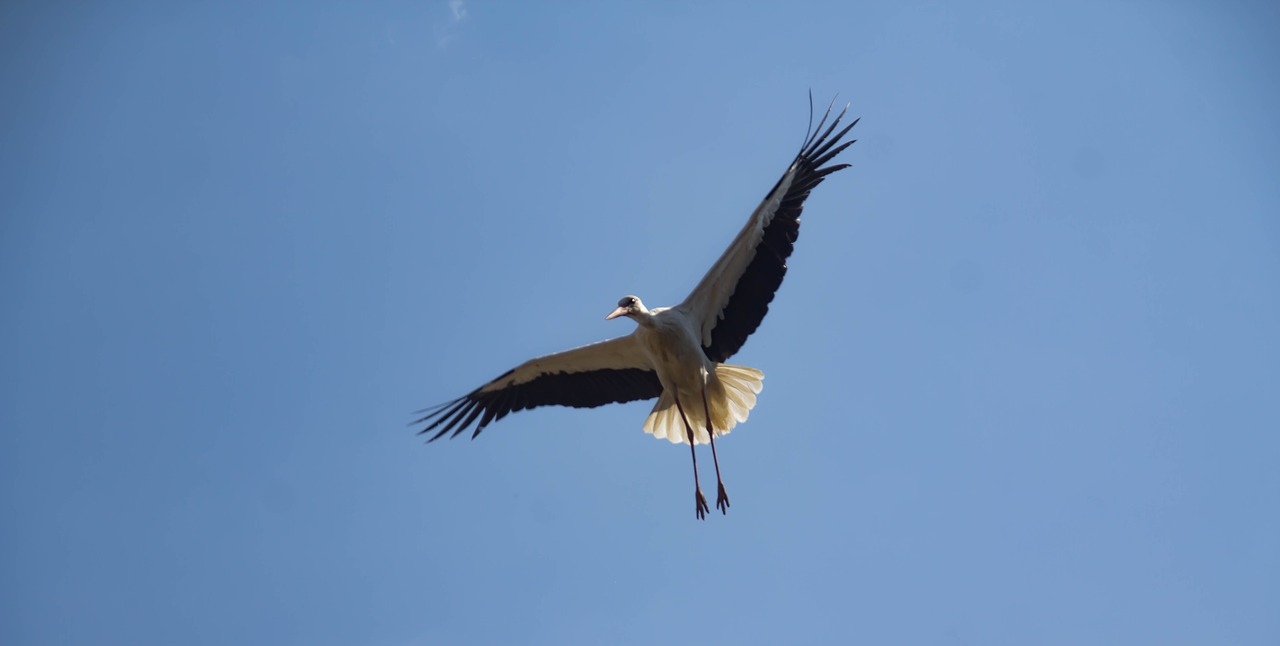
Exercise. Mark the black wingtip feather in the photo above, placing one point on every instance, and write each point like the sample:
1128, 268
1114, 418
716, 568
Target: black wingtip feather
817, 163
812, 135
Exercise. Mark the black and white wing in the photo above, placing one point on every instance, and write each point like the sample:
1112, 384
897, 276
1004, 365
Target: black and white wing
732, 299
593, 375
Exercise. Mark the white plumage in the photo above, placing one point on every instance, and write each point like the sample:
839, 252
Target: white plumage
676, 354
732, 395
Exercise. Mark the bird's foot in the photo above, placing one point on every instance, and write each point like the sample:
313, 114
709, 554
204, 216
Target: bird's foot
722, 499
703, 509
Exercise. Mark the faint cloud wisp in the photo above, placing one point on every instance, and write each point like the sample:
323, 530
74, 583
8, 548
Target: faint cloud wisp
445, 33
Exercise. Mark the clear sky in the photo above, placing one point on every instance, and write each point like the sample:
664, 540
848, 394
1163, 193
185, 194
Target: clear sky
1022, 380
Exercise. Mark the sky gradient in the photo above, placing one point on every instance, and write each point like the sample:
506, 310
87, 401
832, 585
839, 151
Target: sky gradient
1022, 379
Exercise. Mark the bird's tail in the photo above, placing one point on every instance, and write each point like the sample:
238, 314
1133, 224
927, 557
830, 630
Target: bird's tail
731, 394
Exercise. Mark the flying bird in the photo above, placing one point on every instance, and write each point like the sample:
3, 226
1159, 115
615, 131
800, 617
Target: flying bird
675, 354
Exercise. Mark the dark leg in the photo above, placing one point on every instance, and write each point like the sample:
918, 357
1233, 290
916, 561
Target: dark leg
722, 498
700, 499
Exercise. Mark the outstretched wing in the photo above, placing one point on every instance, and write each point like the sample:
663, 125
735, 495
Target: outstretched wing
732, 299
610, 371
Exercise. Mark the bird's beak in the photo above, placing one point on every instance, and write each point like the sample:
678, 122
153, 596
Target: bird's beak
617, 311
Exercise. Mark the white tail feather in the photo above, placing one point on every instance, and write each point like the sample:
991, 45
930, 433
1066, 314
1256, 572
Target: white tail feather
731, 395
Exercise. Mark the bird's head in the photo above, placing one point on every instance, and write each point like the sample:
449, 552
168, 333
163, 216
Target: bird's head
629, 306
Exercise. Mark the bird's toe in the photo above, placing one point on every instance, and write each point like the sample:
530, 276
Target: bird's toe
722, 500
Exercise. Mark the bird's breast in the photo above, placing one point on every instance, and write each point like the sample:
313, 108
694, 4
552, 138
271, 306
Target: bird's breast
675, 352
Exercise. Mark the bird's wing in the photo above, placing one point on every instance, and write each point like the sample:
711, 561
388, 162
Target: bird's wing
617, 370
731, 300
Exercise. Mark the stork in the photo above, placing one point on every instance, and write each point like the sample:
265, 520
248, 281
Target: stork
676, 354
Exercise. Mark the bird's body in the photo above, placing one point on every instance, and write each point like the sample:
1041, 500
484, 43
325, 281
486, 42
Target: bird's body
675, 353
670, 340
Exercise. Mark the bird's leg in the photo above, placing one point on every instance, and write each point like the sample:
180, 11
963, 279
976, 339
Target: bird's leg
700, 499
722, 498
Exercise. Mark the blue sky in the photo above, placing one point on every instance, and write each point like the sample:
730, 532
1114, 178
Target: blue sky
1021, 381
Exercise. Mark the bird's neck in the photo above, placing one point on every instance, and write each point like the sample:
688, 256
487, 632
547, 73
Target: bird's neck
645, 319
